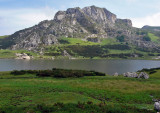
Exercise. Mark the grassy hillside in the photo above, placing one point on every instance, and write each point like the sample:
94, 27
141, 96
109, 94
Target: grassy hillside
11, 53
154, 38
2, 37
75, 41
23, 93
109, 48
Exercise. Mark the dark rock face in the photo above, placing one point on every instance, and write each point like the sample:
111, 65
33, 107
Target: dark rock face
77, 23
127, 22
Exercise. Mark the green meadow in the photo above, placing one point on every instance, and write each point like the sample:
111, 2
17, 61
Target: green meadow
29, 93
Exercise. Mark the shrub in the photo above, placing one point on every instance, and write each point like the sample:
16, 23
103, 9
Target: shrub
58, 73
146, 38
15, 72
150, 54
120, 38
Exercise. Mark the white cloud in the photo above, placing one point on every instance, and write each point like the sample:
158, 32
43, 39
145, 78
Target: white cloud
152, 20
12, 20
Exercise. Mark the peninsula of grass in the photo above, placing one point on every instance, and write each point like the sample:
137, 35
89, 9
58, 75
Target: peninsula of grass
28, 92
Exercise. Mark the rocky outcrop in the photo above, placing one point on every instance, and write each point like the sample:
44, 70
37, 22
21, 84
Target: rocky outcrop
142, 75
127, 22
157, 106
157, 58
66, 54
100, 15
23, 56
132, 75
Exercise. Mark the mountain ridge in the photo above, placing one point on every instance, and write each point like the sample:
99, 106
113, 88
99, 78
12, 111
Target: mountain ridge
74, 22
88, 22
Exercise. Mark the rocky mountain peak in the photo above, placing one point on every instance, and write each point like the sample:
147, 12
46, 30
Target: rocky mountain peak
100, 14
74, 22
73, 10
59, 15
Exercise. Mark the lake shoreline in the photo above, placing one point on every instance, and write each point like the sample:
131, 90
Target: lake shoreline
108, 66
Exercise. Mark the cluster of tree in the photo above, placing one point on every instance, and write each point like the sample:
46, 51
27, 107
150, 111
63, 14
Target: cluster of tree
150, 54
117, 47
87, 51
146, 38
142, 32
53, 51
153, 50
5, 43
62, 41
121, 38
94, 50
123, 55
58, 73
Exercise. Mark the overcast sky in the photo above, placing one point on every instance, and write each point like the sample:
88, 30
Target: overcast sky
19, 14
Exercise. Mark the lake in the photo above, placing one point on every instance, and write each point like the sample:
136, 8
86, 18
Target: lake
106, 66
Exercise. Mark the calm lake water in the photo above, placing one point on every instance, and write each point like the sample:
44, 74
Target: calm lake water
106, 66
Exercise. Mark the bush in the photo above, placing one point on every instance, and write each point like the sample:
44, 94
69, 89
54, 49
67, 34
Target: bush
15, 72
62, 41
146, 38
22, 72
58, 73
120, 38
150, 54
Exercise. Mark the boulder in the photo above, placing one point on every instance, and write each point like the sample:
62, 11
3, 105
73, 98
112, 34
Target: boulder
157, 106
129, 74
134, 75
22, 56
143, 75
116, 74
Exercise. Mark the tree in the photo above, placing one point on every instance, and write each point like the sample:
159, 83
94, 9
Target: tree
120, 38
146, 38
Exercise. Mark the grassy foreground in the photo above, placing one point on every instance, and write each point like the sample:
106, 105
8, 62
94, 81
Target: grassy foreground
29, 93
